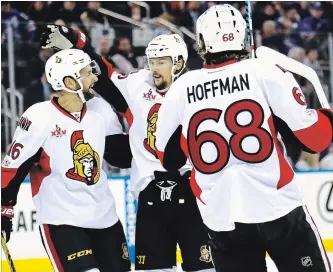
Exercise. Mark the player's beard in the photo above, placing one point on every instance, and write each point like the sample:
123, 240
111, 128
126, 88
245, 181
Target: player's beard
89, 94
161, 86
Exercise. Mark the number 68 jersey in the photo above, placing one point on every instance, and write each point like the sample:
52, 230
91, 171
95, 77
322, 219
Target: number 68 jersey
232, 117
63, 153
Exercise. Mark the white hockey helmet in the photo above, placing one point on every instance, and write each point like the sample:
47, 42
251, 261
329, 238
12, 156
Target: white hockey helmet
171, 45
67, 63
221, 28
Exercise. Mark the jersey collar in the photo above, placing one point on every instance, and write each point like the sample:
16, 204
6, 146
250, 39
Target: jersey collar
214, 66
55, 103
162, 93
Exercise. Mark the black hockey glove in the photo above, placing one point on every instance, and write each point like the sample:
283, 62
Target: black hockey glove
7, 214
62, 37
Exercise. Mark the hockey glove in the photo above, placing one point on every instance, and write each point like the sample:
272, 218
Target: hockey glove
7, 214
329, 114
61, 37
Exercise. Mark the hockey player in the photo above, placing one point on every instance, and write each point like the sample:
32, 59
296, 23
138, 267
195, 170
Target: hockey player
62, 143
231, 114
167, 210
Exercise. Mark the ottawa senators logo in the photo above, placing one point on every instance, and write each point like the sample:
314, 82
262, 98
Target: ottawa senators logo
125, 251
86, 161
149, 142
205, 254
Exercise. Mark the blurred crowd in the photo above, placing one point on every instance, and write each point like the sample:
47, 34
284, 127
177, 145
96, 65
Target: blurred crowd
297, 29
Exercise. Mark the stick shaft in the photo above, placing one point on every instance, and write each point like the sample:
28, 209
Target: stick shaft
249, 26
7, 253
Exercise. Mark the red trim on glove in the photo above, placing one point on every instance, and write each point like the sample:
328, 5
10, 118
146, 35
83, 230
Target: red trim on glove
7, 211
318, 136
81, 39
110, 68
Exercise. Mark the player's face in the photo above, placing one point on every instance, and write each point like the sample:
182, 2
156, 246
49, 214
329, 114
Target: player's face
161, 69
88, 78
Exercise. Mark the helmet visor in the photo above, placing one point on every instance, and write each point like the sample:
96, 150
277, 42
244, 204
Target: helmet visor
96, 70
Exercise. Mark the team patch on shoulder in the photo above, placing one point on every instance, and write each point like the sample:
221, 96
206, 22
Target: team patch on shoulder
205, 254
24, 123
125, 251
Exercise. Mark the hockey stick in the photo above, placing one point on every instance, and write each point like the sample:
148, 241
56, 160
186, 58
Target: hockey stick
248, 20
7, 254
296, 67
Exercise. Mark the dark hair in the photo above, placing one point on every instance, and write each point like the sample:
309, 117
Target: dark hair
220, 57
180, 58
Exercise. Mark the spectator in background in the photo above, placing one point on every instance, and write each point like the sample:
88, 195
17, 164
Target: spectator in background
304, 9
39, 12
39, 90
123, 56
37, 63
307, 161
23, 27
190, 15
315, 22
291, 36
96, 24
104, 48
297, 53
312, 61
260, 15
69, 13
309, 92
271, 38
291, 15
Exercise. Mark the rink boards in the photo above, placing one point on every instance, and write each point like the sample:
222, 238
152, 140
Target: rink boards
27, 250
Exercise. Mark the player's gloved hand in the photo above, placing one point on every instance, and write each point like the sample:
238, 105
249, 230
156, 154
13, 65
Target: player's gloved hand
7, 214
61, 37
329, 114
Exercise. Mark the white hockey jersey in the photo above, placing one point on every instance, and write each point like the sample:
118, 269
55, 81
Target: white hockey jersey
230, 116
67, 181
144, 102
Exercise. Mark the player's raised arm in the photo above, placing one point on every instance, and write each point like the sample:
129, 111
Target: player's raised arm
111, 85
169, 131
311, 128
24, 151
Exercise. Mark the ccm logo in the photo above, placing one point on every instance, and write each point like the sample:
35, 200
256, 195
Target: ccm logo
79, 254
7, 211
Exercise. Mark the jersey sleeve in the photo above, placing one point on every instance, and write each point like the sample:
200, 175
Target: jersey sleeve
107, 85
169, 130
310, 127
23, 152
